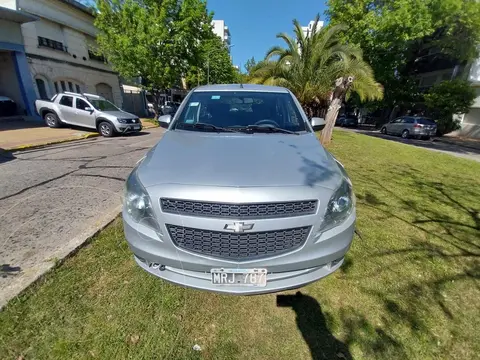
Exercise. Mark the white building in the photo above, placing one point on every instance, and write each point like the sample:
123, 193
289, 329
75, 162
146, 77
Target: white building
470, 122
307, 30
60, 49
222, 31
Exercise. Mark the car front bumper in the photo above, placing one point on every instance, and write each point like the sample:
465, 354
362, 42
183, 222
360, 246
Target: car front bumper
321, 255
128, 128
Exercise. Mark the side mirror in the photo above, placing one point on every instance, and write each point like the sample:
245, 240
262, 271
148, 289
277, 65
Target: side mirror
89, 109
317, 123
165, 120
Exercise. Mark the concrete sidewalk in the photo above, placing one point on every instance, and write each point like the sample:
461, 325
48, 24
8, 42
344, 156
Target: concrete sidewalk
16, 135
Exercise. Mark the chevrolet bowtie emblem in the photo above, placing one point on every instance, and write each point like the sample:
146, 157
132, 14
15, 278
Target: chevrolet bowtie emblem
238, 227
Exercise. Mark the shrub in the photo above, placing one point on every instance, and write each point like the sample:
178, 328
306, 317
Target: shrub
448, 98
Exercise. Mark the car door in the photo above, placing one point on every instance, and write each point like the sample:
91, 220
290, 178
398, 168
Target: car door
65, 107
84, 113
391, 126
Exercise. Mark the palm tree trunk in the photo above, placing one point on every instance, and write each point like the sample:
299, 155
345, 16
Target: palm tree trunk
341, 86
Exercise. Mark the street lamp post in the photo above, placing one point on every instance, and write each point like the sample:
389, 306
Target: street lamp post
208, 63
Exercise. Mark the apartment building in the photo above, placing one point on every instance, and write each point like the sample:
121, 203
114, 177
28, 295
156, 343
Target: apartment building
61, 50
307, 30
222, 31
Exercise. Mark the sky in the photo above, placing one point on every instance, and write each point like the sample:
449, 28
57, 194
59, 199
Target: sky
253, 24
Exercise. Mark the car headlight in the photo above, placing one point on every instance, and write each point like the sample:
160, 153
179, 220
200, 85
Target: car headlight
339, 207
137, 203
122, 121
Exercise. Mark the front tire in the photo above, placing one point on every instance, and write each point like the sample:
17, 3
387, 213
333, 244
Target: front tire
405, 134
52, 120
106, 129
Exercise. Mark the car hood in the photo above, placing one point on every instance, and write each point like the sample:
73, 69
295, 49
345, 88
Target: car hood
239, 160
120, 114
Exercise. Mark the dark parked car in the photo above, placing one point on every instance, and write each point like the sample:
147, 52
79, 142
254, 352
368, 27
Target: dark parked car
411, 126
349, 120
8, 107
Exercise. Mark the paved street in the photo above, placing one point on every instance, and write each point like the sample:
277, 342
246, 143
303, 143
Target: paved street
52, 198
436, 145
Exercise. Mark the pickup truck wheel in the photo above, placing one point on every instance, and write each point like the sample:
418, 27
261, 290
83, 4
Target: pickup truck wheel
52, 120
106, 129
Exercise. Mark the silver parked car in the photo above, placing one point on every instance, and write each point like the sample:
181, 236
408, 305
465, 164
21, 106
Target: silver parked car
411, 126
239, 196
89, 111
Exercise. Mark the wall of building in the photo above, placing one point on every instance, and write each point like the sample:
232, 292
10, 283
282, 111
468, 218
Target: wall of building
10, 4
10, 32
9, 85
61, 13
88, 79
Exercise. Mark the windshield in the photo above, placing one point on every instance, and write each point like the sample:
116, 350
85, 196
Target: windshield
240, 109
103, 105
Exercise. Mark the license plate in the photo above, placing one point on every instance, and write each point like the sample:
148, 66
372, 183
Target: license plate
136, 127
239, 277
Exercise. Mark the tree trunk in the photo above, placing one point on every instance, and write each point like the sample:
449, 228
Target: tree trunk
341, 86
330, 119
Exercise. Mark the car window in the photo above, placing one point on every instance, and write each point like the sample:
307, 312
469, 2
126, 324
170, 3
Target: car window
426, 121
397, 120
81, 104
66, 101
241, 109
103, 105
409, 120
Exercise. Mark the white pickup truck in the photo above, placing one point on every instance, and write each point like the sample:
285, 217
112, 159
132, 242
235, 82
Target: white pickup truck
87, 110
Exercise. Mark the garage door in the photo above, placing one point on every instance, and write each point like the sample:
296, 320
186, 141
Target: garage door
104, 90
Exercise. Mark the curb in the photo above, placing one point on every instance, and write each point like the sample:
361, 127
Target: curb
83, 137
34, 146
36, 275
456, 144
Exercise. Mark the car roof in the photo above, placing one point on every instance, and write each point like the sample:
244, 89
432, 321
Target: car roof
241, 87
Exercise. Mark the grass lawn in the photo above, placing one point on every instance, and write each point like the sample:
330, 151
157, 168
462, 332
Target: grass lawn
409, 288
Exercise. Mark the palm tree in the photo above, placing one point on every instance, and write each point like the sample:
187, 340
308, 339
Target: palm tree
319, 70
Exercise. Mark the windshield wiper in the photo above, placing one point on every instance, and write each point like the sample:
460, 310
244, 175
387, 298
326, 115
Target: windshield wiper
206, 126
266, 128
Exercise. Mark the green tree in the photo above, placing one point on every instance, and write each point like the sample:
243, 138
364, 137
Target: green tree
396, 36
250, 64
215, 64
158, 40
316, 69
447, 99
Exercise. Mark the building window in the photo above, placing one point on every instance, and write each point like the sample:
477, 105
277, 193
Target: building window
67, 85
96, 57
42, 89
52, 44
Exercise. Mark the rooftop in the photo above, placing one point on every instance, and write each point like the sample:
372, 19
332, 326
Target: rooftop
16, 15
242, 87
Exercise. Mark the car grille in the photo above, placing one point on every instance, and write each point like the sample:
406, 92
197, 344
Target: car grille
242, 246
239, 211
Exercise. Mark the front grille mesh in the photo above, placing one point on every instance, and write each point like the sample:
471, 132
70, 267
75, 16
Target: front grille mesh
238, 246
239, 211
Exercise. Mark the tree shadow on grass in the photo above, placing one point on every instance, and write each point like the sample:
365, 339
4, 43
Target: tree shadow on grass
448, 223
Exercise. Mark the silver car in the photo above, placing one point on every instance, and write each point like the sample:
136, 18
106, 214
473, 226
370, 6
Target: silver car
89, 111
411, 126
239, 196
